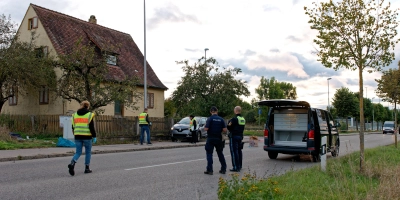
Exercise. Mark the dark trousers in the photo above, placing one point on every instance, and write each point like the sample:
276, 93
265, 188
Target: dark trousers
235, 145
210, 145
194, 137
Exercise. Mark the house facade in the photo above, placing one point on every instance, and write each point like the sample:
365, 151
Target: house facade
57, 34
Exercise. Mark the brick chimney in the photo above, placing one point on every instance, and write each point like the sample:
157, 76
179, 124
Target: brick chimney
93, 19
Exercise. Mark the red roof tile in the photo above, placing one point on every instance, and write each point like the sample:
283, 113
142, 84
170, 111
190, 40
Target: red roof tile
64, 31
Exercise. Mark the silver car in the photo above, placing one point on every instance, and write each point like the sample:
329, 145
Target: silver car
180, 131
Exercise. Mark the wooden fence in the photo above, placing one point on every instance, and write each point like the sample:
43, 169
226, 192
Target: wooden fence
106, 126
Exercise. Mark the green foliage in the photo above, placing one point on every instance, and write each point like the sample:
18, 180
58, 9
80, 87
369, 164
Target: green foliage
341, 180
86, 76
389, 86
345, 102
205, 85
247, 187
169, 108
24, 67
273, 89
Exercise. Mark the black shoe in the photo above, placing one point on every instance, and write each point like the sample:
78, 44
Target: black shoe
222, 171
149, 143
234, 170
71, 169
141, 143
208, 172
87, 170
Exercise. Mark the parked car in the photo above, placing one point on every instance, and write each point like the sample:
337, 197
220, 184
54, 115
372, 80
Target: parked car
388, 127
180, 131
294, 127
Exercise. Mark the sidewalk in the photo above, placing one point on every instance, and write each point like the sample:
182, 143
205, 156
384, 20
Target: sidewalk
27, 154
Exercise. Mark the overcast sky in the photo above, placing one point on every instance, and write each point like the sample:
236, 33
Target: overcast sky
262, 37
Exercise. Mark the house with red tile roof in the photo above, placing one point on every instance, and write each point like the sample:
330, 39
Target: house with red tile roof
57, 34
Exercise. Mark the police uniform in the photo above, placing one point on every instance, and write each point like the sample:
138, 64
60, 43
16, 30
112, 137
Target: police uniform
144, 127
236, 128
215, 125
193, 129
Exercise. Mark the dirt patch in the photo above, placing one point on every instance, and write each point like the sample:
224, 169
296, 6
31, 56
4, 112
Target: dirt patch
4, 134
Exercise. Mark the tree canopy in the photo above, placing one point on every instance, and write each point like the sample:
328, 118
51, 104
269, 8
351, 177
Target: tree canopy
24, 66
354, 34
207, 84
85, 76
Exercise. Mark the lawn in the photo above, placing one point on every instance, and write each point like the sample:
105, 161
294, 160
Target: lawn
341, 180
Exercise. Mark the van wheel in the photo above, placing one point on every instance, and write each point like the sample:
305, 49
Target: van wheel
173, 139
272, 155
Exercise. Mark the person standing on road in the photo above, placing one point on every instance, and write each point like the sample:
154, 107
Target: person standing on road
193, 129
144, 126
84, 132
215, 125
236, 128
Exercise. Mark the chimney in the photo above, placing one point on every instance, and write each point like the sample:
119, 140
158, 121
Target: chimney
93, 19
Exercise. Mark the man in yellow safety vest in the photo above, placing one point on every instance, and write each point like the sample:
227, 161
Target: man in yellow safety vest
144, 126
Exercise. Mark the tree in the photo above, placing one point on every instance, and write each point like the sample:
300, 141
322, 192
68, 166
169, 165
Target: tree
389, 90
169, 108
273, 89
206, 84
345, 103
24, 66
85, 76
355, 35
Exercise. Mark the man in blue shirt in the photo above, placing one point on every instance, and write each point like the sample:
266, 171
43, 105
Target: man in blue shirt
215, 125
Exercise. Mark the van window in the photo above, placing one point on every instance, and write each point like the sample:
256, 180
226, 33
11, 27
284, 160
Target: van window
322, 118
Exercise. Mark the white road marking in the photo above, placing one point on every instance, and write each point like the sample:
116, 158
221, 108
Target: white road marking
174, 163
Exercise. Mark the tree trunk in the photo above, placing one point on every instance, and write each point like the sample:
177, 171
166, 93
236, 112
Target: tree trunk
395, 124
1, 105
361, 118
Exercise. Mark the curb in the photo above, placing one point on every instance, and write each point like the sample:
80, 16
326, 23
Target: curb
53, 155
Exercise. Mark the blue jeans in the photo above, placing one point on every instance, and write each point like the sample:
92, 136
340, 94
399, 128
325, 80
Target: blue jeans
217, 143
88, 150
142, 130
235, 144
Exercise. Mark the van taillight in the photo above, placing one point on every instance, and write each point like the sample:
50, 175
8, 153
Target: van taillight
265, 133
311, 134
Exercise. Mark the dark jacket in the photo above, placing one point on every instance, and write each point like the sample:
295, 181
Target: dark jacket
234, 127
81, 112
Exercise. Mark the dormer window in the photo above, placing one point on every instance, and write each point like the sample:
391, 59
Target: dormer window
32, 23
112, 59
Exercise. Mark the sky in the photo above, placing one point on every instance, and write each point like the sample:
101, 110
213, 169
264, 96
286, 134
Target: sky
267, 38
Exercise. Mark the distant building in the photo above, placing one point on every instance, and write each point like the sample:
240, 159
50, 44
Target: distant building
57, 33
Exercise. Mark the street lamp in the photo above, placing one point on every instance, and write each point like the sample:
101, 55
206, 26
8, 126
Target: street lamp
205, 54
144, 53
328, 94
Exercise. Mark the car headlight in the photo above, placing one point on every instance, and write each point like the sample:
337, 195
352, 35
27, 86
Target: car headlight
172, 128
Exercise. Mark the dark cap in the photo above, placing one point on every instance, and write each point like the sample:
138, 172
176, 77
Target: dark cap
213, 109
191, 116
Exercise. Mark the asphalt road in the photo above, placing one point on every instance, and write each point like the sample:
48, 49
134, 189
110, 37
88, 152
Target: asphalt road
156, 174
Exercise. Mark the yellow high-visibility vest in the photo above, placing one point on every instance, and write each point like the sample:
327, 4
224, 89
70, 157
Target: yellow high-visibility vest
241, 120
142, 118
81, 123
192, 128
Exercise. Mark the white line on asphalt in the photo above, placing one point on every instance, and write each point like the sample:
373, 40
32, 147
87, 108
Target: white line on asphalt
174, 163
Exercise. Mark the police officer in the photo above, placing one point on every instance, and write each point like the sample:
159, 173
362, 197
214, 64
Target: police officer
193, 129
236, 128
215, 125
84, 132
144, 126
